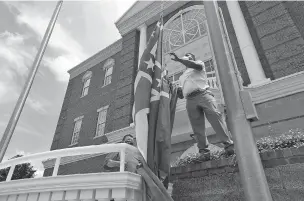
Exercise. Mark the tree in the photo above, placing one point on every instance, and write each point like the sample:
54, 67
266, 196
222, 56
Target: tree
22, 171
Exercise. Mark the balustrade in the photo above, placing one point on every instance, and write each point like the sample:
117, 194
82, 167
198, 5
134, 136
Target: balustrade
94, 186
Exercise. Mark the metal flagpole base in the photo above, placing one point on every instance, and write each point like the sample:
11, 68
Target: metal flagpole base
250, 167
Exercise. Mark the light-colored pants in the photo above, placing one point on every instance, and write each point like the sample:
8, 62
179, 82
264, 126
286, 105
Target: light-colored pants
203, 104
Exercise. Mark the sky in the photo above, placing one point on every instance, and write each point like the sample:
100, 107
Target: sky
83, 28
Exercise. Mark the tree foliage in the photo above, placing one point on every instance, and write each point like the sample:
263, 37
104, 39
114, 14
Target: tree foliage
22, 171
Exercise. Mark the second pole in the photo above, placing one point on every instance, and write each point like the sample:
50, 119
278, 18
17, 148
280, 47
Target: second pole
250, 167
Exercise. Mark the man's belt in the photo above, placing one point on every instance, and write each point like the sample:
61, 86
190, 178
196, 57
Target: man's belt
195, 92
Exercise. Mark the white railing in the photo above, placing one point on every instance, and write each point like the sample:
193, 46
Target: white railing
95, 186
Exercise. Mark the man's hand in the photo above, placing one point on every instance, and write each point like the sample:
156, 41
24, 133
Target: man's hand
175, 57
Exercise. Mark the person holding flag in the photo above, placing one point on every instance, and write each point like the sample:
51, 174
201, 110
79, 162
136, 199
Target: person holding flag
201, 102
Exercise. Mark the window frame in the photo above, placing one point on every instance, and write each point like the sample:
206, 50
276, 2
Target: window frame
76, 133
101, 122
108, 77
107, 67
85, 87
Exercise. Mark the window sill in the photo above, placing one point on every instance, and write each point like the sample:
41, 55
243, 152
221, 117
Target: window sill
72, 145
105, 85
96, 137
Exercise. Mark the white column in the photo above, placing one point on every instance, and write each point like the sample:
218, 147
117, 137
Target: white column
142, 40
250, 55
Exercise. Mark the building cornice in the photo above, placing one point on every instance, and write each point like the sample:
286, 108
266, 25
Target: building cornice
278, 88
148, 15
96, 59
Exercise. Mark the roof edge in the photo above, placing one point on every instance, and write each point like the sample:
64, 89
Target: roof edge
96, 58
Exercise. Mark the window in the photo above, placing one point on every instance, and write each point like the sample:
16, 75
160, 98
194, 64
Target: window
101, 121
108, 68
211, 77
76, 131
210, 71
86, 79
183, 29
108, 76
85, 89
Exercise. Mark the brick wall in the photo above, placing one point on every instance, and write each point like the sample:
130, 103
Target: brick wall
90, 165
279, 115
128, 67
118, 95
220, 180
279, 35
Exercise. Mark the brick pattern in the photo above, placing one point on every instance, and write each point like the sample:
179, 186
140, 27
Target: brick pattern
62, 116
220, 180
269, 159
118, 95
278, 30
90, 165
124, 94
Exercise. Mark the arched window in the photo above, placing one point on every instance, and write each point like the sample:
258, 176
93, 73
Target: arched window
183, 29
187, 32
86, 79
108, 67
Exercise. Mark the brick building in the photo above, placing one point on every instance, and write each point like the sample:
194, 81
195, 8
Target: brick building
266, 40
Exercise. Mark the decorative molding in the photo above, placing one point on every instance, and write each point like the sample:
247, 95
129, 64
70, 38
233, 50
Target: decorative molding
103, 108
87, 75
109, 63
278, 88
96, 59
72, 182
147, 15
78, 118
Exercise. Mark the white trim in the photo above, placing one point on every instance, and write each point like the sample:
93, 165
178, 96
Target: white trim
86, 76
78, 118
72, 182
147, 15
103, 108
278, 88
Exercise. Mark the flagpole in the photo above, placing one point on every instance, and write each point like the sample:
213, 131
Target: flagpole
28, 84
250, 167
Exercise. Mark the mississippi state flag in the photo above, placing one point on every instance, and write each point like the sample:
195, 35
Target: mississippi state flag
147, 95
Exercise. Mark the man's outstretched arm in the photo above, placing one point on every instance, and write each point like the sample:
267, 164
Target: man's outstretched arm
188, 63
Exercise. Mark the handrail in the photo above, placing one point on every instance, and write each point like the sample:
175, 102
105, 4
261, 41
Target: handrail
58, 154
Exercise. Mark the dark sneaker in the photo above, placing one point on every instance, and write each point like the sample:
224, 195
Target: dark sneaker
229, 148
204, 155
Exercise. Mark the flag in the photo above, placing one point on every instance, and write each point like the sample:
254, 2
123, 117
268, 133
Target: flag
166, 114
146, 95
151, 108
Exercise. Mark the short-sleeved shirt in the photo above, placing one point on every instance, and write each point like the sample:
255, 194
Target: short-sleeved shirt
130, 166
114, 157
192, 80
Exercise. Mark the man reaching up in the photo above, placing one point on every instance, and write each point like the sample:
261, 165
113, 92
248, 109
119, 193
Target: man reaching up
201, 102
